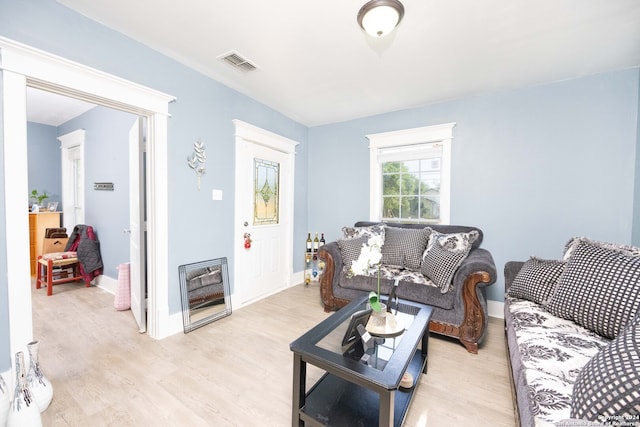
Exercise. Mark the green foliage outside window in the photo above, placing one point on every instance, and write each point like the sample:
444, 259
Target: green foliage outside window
411, 190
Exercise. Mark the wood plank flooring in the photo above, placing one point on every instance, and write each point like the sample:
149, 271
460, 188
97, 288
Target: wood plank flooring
234, 372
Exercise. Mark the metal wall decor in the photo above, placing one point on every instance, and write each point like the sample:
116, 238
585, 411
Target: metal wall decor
198, 159
205, 292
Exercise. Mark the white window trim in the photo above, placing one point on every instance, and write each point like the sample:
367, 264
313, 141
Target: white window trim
442, 134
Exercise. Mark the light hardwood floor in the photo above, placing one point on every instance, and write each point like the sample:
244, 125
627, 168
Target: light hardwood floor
234, 372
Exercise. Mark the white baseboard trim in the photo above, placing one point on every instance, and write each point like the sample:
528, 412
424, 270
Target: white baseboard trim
495, 309
297, 278
107, 283
176, 325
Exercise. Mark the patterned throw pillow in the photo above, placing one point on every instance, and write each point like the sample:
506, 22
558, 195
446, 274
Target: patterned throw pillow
608, 386
372, 230
537, 279
573, 243
599, 289
350, 250
444, 255
403, 247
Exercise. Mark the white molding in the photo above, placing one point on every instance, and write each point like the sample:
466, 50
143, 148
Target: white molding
106, 283
72, 139
24, 66
68, 141
49, 71
442, 133
411, 136
263, 137
157, 228
495, 309
14, 126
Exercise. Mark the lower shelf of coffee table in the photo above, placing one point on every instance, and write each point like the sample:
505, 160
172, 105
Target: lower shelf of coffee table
333, 401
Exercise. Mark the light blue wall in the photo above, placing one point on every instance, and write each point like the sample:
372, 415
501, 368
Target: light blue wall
199, 228
43, 151
531, 167
106, 153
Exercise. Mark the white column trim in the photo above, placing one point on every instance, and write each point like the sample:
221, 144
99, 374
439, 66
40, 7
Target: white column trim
14, 121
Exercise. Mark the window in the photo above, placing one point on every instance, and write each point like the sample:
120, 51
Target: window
410, 175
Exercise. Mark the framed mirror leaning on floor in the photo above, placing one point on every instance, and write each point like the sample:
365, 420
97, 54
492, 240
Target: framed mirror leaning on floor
205, 292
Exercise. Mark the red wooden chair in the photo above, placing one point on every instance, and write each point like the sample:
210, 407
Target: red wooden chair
55, 266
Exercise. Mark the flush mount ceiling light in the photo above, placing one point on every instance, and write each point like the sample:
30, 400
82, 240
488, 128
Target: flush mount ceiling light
379, 17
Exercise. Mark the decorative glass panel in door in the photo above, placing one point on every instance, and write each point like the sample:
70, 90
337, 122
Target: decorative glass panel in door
266, 185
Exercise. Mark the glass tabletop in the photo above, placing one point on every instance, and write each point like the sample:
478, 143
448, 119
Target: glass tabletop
336, 342
378, 350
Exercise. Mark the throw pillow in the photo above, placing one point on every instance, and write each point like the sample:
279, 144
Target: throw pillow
608, 386
371, 230
350, 250
537, 279
573, 243
403, 247
599, 289
443, 256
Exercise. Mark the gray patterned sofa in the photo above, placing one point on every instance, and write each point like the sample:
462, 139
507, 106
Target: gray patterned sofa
572, 327
440, 265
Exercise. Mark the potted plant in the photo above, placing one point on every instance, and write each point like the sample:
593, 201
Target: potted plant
39, 197
370, 257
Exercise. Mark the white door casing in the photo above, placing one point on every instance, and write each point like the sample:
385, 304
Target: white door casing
72, 159
136, 225
266, 267
23, 66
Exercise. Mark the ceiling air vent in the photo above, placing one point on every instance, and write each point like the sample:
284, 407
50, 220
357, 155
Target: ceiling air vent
237, 61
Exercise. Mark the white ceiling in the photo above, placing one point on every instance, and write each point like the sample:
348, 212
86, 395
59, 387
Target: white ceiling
50, 109
316, 66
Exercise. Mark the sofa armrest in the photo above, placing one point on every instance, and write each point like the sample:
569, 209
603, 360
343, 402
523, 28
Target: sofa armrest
477, 271
478, 260
332, 257
511, 269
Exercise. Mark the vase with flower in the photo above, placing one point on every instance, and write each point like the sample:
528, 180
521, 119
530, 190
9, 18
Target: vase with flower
382, 322
370, 257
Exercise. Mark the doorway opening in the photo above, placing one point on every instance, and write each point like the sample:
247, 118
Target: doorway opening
22, 66
100, 140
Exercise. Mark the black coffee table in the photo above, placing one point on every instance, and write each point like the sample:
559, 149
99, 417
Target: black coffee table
359, 388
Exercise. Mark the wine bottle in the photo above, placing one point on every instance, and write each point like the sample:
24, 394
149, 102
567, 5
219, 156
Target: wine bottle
308, 242
315, 243
322, 242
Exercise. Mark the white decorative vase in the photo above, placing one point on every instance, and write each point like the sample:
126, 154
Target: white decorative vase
378, 319
40, 386
5, 402
24, 411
